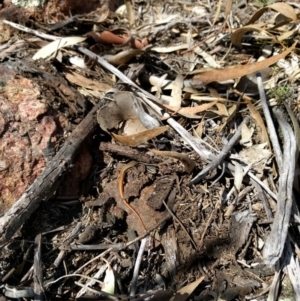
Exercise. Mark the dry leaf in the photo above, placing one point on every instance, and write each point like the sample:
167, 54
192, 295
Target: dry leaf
246, 136
87, 83
237, 35
281, 7
118, 37
120, 110
257, 156
230, 115
108, 285
257, 117
238, 177
221, 107
177, 91
239, 71
286, 34
170, 48
102, 14
191, 112
122, 57
199, 129
186, 291
140, 138
189, 164
55, 45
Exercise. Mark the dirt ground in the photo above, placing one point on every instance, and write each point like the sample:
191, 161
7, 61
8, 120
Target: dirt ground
149, 150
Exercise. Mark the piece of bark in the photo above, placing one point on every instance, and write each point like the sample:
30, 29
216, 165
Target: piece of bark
47, 182
128, 152
161, 190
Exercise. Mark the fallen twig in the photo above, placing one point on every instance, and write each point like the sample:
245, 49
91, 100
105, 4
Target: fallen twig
222, 155
137, 267
275, 242
269, 121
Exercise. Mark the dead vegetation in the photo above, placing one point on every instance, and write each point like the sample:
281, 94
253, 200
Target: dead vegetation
149, 150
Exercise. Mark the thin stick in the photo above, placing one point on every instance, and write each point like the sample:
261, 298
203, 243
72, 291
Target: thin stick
137, 267
181, 224
269, 121
222, 155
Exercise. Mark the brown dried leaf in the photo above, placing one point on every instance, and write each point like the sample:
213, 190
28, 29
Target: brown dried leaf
140, 138
183, 293
257, 117
221, 107
191, 112
237, 36
239, 71
189, 164
122, 57
117, 37
87, 83
199, 129
286, 34
281, 7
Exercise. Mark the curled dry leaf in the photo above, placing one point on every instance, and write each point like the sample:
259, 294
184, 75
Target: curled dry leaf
237, 36
140, 138
239, 71
108, 37
121, 109
281, 7
122, 57
108, 285
189, 164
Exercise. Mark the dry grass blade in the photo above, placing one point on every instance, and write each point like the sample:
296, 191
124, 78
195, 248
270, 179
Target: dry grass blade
218, 10
228, 8
130, 11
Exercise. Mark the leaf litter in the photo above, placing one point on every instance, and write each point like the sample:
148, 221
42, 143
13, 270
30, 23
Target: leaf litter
178, 116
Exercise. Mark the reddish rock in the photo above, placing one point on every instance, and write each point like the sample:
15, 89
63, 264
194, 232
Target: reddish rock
26, 128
